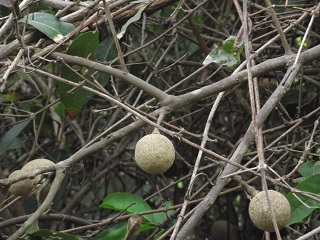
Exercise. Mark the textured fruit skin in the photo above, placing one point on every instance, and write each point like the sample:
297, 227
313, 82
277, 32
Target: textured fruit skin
260, 214
154, 153
21, 188
38, 163
29, 186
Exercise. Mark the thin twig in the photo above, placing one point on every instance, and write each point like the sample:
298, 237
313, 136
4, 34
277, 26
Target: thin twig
276, 22
114, 34
255, 107
306, 151
196, 165
43, 207
3, 80
313, 15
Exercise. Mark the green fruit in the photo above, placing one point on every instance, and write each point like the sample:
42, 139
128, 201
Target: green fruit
154, 153
260, 213
21, 188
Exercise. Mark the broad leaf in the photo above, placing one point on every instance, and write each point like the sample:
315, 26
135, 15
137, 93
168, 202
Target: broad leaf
117, 232
10, 138
83, 46
227, 45
316, 168
120, 201
33, 228
60, 109
298, 210
47, 234
160, 216
224, 55
128, 202
48, 24
306, 169
105, 52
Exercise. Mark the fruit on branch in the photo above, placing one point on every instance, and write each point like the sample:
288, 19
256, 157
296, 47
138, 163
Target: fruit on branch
38, 180
154, 153
21, 188
28, 186
260, 213
38, 163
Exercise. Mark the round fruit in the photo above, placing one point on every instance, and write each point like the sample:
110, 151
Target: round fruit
21, 188
154, 153
39, 163
28, 186
260, 213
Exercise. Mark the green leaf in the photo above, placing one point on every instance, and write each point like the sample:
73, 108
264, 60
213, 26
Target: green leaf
180, 185
159, 234
121, 201
105, 52
316, 168
10, 138
298, 41
59, 109
160, 216
134, 18
306, 169
33, 228
298, 210
224, 55
48, 24
83, 46
42, 233
144, 227
197, 19
117, 232
228, 44
45, 233
15, 144
299, 179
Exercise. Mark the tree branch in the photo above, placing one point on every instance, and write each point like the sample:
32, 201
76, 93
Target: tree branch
237, 156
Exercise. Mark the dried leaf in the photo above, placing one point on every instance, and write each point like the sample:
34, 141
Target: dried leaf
240, 36
134, 223
134, 18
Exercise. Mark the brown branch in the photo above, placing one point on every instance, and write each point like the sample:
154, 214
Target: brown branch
237, 156
43, 207
276, 22
79, 16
